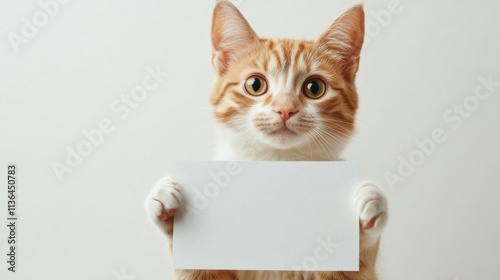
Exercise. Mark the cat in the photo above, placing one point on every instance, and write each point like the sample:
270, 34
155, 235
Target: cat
283, 99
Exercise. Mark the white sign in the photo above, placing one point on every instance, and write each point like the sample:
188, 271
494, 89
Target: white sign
267, 216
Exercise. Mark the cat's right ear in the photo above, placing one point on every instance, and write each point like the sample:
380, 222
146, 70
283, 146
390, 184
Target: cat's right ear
230, 34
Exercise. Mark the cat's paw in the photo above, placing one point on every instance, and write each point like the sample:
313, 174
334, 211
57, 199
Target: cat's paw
162, 203
372, 208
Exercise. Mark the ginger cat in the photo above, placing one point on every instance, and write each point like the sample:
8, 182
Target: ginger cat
283, 99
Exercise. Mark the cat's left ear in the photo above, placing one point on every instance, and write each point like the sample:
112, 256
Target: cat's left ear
344, 38
230, 33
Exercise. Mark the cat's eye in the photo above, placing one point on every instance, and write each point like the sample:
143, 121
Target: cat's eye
256, 85
314, 88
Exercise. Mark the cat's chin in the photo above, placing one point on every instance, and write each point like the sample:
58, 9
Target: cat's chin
283, 139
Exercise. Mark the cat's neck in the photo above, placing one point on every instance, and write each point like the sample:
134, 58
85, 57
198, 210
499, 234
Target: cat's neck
230, 148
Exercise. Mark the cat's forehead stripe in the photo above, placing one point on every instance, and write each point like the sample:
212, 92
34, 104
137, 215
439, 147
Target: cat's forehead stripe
277, 58
283, 54
285, 60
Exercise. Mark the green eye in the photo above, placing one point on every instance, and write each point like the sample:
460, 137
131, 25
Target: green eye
314, 88
256, 85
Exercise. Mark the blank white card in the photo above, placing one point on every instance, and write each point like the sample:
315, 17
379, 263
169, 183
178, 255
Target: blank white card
267, 216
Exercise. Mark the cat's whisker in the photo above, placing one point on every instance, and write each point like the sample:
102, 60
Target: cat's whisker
336, 121
357, 141
333, 144
334, 134
346, 135
336, 141
318, 138
359, 121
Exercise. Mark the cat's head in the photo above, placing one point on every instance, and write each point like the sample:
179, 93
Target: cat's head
286, 93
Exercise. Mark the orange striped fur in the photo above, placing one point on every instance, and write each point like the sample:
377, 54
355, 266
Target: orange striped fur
284, 122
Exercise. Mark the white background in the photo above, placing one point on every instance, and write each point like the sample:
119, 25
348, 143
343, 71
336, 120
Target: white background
443, 218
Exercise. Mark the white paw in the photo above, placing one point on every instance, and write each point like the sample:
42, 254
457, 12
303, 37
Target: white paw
162, 202
372, 208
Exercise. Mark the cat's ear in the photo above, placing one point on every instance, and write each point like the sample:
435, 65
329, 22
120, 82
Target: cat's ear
230, 34
345, 39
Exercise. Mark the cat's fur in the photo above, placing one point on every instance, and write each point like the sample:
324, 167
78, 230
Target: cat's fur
282, 123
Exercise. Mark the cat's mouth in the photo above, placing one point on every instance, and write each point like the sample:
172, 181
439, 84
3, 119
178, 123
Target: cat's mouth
283, 138
282, 131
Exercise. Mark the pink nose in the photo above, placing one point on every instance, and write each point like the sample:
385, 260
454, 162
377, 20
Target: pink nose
286, 114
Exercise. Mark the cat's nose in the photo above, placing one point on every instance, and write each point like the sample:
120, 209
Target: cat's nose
285, 114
